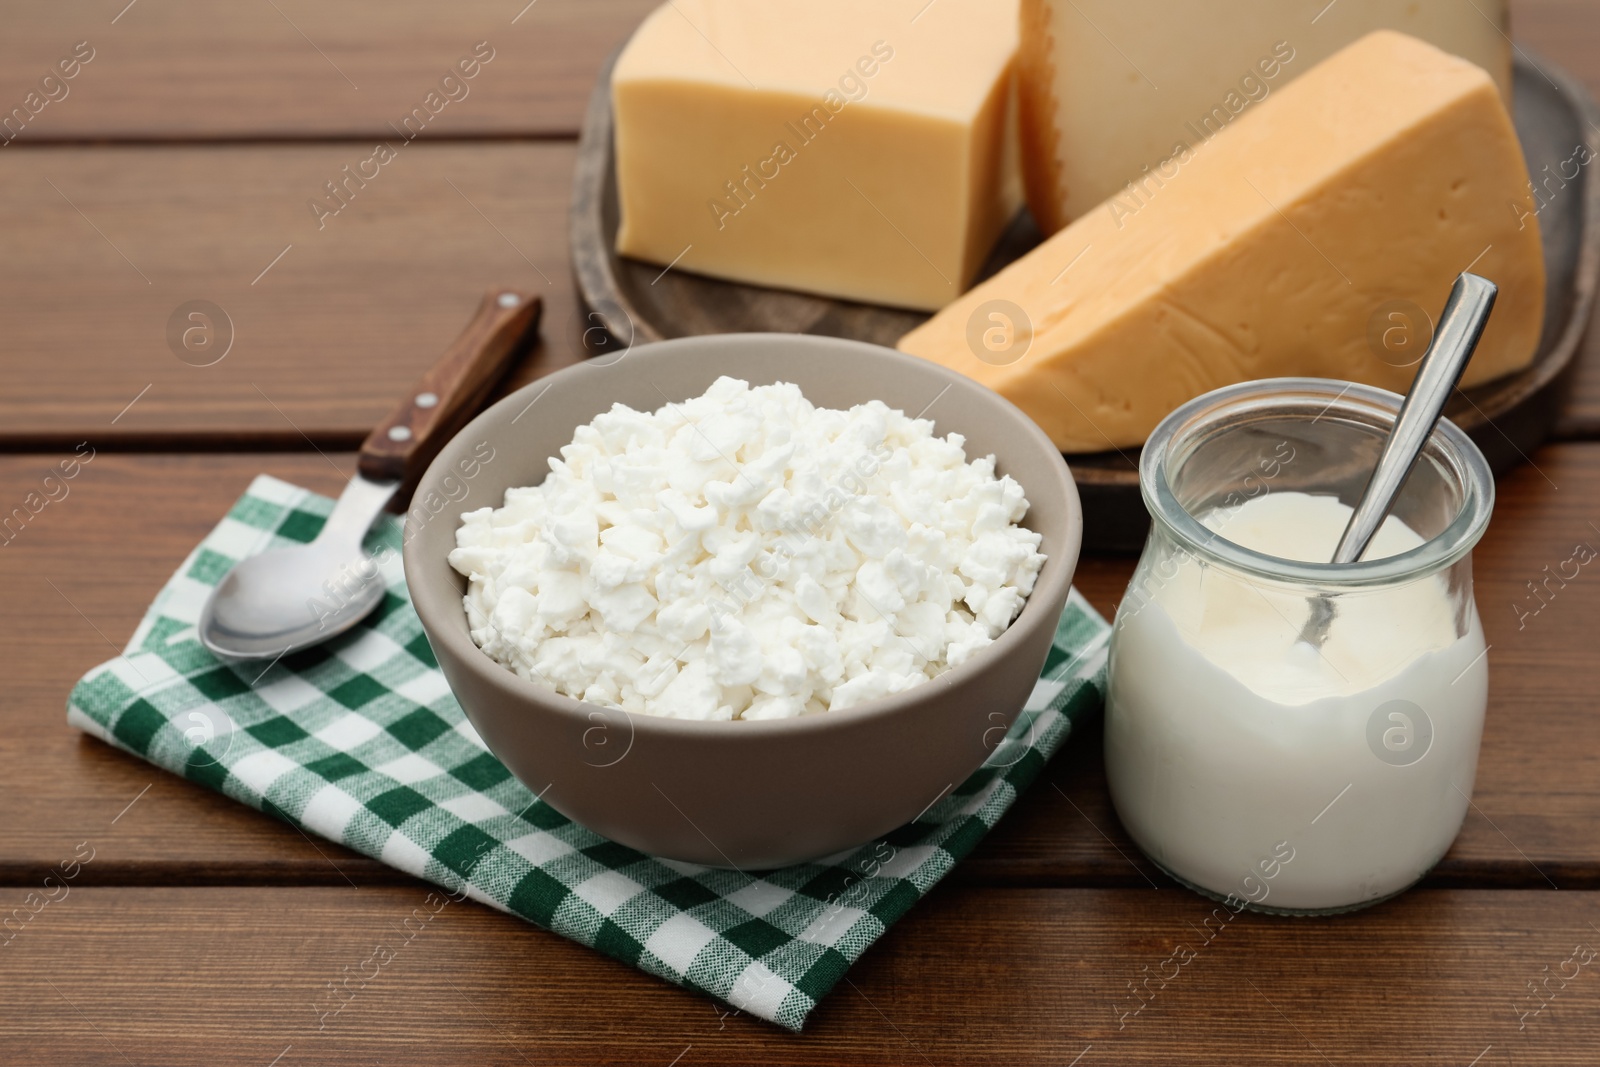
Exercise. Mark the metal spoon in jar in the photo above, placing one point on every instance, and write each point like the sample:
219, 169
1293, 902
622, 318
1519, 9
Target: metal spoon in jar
291, 598
1465, 315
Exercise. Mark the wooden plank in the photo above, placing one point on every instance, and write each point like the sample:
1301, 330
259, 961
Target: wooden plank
1580, 404
282, 73
297, 69
1565, 32
242, 975
84, 579
330, 325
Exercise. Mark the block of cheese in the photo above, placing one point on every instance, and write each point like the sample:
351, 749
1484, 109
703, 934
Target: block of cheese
1111, 88
1285, 248
864, 151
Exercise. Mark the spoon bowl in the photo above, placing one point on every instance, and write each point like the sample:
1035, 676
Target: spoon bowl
289, 598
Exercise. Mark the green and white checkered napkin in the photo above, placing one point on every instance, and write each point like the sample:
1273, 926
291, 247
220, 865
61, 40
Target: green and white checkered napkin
360, 741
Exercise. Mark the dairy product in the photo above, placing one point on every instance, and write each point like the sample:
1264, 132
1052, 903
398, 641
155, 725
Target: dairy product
1110, 88
865, 151
746, 555
1373, 179
1228, 740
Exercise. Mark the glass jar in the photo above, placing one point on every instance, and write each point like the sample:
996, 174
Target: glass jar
1251, 757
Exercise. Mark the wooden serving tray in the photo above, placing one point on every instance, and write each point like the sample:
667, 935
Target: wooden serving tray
630, 302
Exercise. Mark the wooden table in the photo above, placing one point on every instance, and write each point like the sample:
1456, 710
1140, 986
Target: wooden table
179, 168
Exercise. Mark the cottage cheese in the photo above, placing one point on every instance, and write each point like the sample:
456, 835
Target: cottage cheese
745, 555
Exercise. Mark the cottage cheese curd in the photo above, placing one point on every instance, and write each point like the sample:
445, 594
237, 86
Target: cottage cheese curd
747, 555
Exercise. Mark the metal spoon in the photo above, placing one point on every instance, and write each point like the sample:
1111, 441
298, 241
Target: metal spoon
1465, 315
291, 598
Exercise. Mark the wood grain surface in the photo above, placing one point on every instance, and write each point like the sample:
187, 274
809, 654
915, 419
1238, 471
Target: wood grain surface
332, 319
181, 168
969, 976
299, 69
1580, 409
85, 581
1562, 31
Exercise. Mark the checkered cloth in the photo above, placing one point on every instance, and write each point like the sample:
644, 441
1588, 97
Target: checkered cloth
359, 740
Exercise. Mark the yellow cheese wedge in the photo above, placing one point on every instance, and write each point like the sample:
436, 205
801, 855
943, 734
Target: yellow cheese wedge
1334, 213
1110, 88
853, 150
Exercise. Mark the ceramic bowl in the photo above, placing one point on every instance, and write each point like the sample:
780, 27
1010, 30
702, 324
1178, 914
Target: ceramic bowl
739, 794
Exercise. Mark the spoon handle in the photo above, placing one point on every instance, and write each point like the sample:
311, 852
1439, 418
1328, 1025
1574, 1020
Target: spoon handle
400, 448
1465, 315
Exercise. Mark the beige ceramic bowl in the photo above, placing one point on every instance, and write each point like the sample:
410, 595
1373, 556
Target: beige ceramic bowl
739, 794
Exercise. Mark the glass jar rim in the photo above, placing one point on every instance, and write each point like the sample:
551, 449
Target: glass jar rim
1320, 398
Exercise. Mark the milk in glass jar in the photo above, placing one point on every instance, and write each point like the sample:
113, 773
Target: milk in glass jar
1260, 760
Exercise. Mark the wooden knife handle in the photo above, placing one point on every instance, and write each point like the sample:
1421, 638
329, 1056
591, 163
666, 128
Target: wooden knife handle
403, 444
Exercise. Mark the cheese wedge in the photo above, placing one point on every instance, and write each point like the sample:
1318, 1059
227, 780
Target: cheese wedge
1110, 88
864, 151
1283, 248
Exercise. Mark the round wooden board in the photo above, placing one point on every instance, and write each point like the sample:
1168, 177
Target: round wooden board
630, 302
